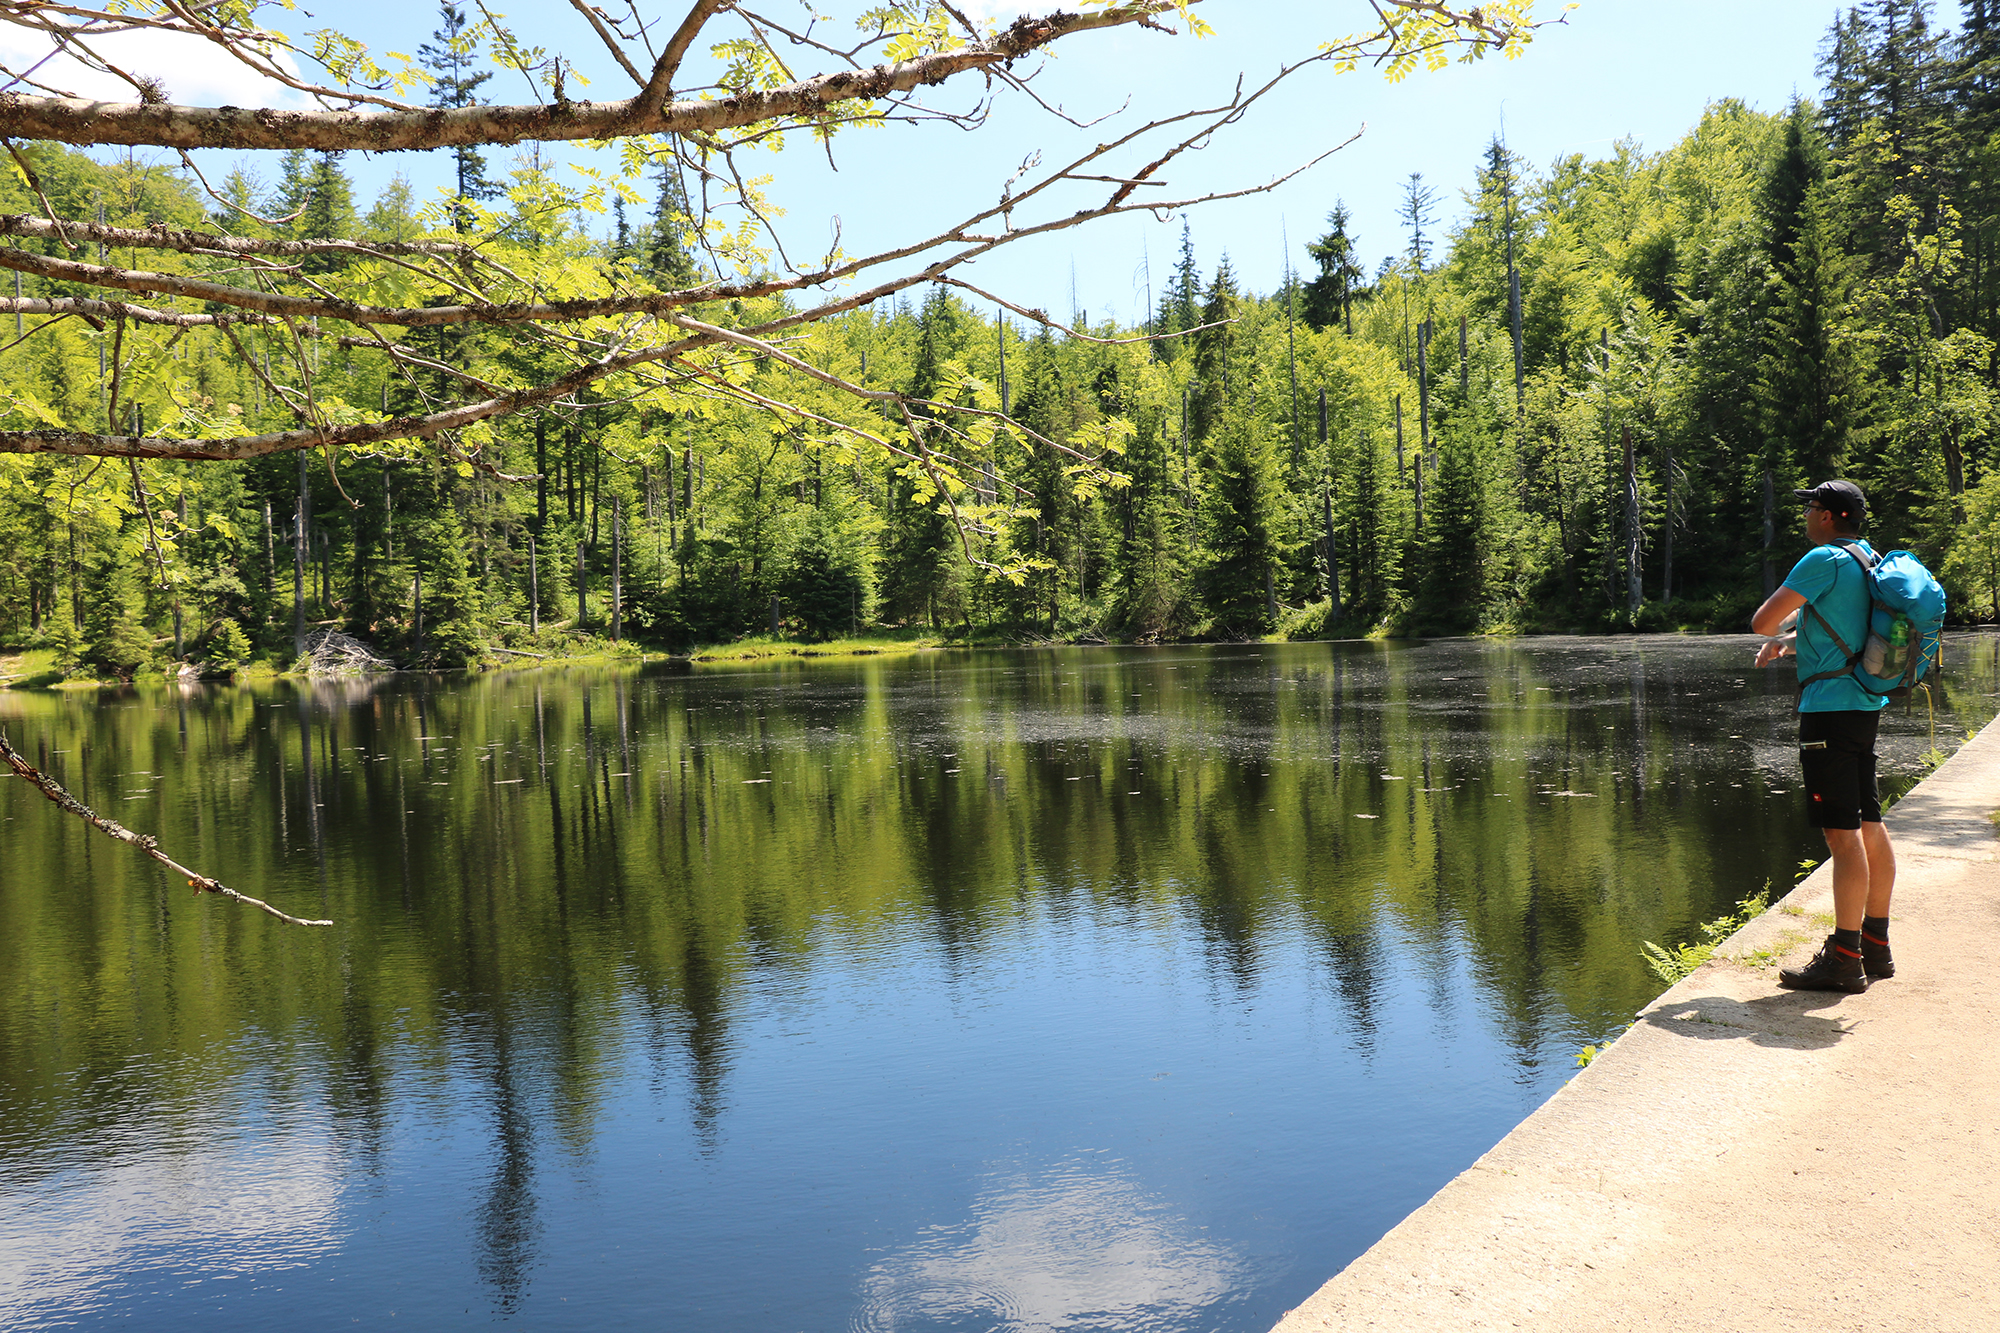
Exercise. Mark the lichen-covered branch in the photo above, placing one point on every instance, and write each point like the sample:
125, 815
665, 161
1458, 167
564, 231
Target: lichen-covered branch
79, 121
145, 842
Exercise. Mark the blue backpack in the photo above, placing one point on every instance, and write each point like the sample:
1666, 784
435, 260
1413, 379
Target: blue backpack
1902, 645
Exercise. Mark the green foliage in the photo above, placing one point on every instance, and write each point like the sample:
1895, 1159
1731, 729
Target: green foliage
1672, 965
1772, 299
454, 608
115, 641
228, 646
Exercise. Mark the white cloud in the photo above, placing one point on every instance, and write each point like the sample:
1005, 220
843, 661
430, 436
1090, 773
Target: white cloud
194, 72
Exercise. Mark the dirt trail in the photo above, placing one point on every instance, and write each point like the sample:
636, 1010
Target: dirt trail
1749, 1158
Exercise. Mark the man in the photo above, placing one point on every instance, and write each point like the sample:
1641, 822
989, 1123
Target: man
1837, 720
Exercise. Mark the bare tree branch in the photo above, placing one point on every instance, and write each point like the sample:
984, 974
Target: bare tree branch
610, 42
660, 86
145, 842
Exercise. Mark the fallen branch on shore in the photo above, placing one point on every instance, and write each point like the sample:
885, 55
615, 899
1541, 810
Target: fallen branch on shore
332, 653
143, 841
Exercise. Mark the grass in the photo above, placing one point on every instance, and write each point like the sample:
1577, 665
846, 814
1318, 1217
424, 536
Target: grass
1773, 951
33, 669
763, 646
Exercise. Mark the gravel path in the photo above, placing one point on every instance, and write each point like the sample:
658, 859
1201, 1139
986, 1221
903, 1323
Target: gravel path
1749, 1158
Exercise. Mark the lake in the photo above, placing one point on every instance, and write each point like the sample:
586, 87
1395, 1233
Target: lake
1063, 989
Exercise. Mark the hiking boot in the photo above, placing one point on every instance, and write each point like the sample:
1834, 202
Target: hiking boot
1875, 959
1832, 968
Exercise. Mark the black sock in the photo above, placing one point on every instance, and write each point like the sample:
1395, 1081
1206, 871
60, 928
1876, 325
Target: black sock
1847, 942
1875, 929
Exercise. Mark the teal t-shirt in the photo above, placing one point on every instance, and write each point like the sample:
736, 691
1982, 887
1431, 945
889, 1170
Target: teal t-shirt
1834, 584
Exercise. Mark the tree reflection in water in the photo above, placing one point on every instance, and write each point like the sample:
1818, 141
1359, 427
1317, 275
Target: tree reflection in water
1081, 987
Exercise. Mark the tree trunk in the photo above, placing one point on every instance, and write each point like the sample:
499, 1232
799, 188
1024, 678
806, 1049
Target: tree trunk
541, 475
1424, 389
1400, 473
1770, 535
1332, 555
1667, 537
299, 565
1634, 575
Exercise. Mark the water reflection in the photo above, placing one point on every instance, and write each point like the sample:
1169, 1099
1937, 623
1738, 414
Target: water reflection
1227, 957
1074, 1246
104, 1238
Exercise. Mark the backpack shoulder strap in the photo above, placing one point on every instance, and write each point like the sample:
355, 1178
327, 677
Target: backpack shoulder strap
1853, 655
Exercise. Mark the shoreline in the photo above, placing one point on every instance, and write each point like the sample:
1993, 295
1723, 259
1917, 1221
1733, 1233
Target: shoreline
765, 650
1744, 1156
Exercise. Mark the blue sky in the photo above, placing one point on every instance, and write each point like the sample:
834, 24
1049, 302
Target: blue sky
1612, 69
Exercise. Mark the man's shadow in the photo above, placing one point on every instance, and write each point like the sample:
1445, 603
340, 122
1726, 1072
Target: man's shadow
1785, 1019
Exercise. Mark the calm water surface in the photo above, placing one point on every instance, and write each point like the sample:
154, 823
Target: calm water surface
1092, 989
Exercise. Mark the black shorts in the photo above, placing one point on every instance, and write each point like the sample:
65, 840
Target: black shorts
1837, 751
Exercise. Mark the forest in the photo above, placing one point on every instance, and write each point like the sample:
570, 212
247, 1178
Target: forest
1582, 406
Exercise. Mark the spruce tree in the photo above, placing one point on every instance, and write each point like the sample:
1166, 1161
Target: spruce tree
322, 197
1241, 513
115, 639
1180, 304
1453, 583
1215, 357
667, 259
1327, 297
454, 611
917, 565
1805, 383
450, 56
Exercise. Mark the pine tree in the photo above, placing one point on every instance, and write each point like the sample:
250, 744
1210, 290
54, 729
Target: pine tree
453, 608
1417, 212
450, 55
1241, 513
1214, 353
320, 198
1805, 385
1327, 297
667, 258
1180, 304
1453, 584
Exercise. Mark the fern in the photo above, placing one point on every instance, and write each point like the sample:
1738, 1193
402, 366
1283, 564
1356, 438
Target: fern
1674, 965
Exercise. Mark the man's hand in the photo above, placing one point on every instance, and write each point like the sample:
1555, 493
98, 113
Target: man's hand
1772, 649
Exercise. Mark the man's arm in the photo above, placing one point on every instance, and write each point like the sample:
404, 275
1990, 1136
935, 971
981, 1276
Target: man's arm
1770, 617
1778, 613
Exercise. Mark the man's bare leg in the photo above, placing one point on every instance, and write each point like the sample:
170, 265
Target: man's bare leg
1852, 880
1881, 867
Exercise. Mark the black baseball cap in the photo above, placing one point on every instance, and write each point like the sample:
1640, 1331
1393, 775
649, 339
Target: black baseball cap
1838, 497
